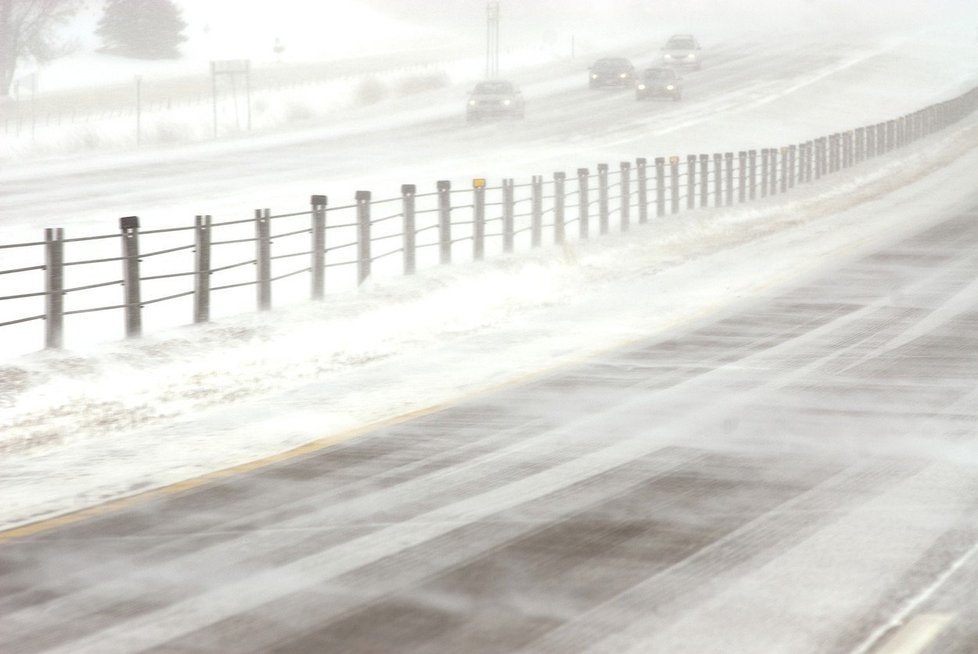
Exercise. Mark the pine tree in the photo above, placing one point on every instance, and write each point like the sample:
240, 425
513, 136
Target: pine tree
144, 29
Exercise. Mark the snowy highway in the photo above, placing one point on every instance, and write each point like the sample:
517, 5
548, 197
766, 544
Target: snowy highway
734, 429
796, 90
793, 474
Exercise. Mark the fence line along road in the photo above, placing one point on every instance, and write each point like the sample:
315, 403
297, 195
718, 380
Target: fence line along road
52, 279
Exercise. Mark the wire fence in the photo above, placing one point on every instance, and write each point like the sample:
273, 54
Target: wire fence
293, 256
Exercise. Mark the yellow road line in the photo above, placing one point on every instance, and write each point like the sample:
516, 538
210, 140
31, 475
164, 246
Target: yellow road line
189, 484
914, 636
319, 444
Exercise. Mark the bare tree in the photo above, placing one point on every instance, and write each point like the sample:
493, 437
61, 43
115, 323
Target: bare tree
27, 30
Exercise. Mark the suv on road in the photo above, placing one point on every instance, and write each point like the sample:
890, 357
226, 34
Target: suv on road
659, 83
494, 99
611, 71
682, 51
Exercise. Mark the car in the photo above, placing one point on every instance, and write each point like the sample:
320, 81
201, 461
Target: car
682, 51
495, 99
611, 71
659, 83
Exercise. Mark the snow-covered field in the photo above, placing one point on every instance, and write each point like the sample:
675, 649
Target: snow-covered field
108, 419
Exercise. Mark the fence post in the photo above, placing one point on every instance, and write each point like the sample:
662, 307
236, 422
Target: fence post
742, 176
603, 197
263, 258
890, 135
704, 180
848, 155
408, 192
818, 157
536, 211
870, 141
674, 183
54, 276
752, 156
478, 219
445, 221
717, 179
691, 181
318, 203
792, 165
130, 261
509, 204
728, 158
784, 169
559, 179
363, 236
807, 158
202, 269
641, 173
860, 144
626, 194
583, 201
765, 170
660, 186
803, 173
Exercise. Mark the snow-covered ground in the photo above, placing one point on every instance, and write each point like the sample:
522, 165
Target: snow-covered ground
110, 419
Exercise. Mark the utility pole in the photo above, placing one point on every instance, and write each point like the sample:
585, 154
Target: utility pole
492, 39
139, 109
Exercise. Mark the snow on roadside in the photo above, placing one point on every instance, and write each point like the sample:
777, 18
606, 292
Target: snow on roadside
137, 415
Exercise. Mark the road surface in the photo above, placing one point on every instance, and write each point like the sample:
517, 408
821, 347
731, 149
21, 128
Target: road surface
794, 475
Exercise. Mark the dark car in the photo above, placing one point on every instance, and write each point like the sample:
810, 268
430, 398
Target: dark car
659, 83
612, 71
682, 51
495, 99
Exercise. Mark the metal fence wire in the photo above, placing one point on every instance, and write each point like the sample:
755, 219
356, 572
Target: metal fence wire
131, 269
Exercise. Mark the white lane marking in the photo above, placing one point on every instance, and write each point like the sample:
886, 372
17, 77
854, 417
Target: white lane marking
912, 605
917, 634
154, 629
959, 303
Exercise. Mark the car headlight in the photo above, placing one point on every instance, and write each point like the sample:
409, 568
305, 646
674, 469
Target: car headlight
507, 102
594, 76
471, 103
667, 56
623, 75
641, 87
691, 55
670, 87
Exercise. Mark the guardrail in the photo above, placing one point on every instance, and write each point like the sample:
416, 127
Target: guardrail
399, 235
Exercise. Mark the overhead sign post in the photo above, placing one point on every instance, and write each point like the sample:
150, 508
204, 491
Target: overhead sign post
29, 80
232, 69
492, 39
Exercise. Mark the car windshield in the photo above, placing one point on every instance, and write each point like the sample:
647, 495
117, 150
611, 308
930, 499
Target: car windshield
681, 44
656, 74
612, 64
494, 88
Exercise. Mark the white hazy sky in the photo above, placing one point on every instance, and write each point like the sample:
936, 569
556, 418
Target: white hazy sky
229, 28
